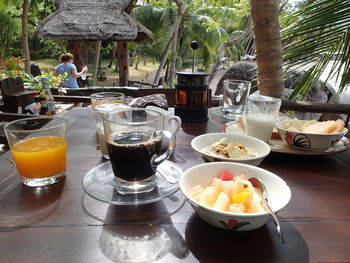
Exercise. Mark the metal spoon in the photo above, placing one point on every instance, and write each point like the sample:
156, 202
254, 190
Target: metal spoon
256, 182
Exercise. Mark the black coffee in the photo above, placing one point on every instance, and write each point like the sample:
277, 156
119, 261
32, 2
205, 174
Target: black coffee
131, 153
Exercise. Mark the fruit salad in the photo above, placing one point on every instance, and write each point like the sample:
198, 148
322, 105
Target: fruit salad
229, 150
230, 193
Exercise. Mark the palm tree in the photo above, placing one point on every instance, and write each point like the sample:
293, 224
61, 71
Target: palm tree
319, 35
25, 44
268, 47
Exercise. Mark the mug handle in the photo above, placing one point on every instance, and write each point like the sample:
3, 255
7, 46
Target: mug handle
178, 123
171, 146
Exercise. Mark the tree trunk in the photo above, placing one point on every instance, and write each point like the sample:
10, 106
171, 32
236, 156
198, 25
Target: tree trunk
134, 53
163, 60
181, 7
268, 47
123, 60
220, 53
97, 58
25, 44
137, 62
114, 49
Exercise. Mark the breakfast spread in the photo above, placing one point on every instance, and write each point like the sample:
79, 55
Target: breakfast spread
230, 193
229, 150
315, 126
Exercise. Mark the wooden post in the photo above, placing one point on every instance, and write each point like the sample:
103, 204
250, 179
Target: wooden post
123, 61
74, 47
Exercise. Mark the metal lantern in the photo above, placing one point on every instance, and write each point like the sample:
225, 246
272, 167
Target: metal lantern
192, 94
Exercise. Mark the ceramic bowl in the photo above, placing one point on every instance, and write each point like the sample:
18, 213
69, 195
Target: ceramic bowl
278, 194
309, 141
201, 142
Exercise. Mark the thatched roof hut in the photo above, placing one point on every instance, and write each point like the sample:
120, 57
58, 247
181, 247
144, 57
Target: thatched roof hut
92, 20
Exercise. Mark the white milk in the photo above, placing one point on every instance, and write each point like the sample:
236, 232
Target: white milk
260, 126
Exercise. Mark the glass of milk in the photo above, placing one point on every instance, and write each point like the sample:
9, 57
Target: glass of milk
261, 115
235, 97
99, 110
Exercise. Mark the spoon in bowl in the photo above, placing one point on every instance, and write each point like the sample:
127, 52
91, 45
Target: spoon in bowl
256, 182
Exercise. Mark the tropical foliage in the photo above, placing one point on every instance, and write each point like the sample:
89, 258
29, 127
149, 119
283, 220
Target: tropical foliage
318, 35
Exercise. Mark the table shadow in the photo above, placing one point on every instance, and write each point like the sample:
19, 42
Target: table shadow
143, 233
210, 244
25, 206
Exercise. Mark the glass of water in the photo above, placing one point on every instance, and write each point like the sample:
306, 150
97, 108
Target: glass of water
235, 96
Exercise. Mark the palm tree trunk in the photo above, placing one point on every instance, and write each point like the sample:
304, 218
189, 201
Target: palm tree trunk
97, 58
163, 60
181, 7
134, 53
114, 48
25, 44
268, 47
137, 61
221, 50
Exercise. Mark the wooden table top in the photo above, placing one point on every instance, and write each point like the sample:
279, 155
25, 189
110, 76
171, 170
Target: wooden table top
60, 223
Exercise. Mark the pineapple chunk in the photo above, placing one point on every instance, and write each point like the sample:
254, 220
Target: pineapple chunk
227, 187
236, 208
222, 202
196, 191
241, 198
209, 196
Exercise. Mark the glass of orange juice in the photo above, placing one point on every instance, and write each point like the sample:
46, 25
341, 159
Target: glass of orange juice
38, 146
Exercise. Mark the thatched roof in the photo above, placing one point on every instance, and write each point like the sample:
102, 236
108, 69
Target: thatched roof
92, 20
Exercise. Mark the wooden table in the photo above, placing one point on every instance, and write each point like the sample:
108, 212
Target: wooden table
61, 223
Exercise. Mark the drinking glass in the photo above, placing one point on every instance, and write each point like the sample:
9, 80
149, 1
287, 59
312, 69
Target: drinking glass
38, 146
136, 144
99, 111
107, 98
101, 103
235, 97
261, 115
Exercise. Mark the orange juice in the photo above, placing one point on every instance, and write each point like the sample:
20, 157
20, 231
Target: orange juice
40, 157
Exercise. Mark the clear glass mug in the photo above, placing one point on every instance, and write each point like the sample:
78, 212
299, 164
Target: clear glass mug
101, 103
106, 98
235, 97
99, 111
261, 115
38, 146
136, 144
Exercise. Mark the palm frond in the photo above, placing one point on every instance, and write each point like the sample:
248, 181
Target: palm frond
320, 33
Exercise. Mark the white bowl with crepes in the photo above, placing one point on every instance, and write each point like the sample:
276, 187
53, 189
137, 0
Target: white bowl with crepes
316, 136
203, 144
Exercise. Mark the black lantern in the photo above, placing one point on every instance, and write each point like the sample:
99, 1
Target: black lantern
192, 94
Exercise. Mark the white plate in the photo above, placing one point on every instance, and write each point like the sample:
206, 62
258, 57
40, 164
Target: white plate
279, 146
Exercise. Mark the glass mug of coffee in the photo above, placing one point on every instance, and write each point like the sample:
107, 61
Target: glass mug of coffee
135, 141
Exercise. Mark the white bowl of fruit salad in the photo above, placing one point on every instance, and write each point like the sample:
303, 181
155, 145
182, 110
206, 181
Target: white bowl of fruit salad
230, 147
311, 135
222, 195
